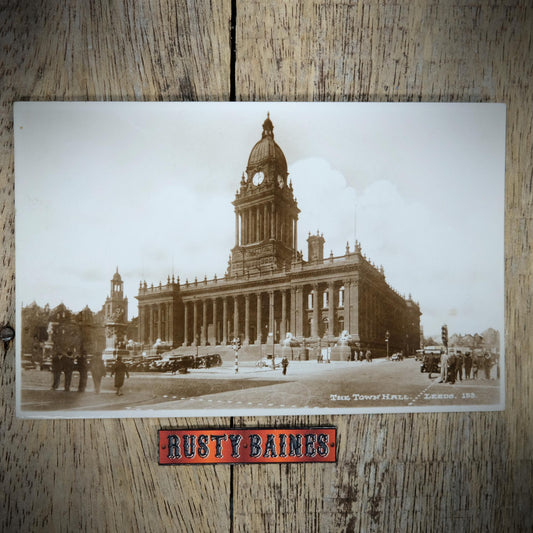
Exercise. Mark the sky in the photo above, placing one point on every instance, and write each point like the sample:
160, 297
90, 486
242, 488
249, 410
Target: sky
147, 188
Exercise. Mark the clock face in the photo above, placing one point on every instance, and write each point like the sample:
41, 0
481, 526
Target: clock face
258, 178
281, 182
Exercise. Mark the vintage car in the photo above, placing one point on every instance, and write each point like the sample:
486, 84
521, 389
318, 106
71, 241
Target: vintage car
208, 361
431, 360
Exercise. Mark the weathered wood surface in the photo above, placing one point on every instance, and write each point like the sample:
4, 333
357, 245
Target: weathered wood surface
100, 475
429, 472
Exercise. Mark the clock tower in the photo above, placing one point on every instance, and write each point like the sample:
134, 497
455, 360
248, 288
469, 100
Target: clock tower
115, 319
266, 212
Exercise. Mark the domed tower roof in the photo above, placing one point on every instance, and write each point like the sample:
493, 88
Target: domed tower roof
266, 151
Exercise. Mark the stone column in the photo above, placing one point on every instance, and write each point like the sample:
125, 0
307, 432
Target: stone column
316, 297
235, 316
204, 322
215, 323
224, 320
141, 324
151, 339
331, 308
292, 317
185, 324
195, 324
158, 325
354, 309
246, 319
283, 327
258, 327
265, 222
170, 323
299, 311
236, 228
271, 324
272, 217
347, 324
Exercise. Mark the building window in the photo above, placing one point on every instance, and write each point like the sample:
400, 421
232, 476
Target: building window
341, 296
310, 300
325, 299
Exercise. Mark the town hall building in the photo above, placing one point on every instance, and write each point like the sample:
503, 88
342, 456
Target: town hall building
270, 289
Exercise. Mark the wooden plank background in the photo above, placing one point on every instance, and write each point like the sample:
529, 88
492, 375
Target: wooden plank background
412, 472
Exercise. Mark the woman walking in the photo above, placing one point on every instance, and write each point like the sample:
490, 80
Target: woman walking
119, 371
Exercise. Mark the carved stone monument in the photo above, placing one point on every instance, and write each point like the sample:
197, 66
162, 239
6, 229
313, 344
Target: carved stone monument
342, 351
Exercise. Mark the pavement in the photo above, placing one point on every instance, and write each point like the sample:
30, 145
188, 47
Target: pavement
339, 386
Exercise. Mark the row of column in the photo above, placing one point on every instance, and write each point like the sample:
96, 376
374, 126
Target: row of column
156, 321
200, 310
290, 318
262, 222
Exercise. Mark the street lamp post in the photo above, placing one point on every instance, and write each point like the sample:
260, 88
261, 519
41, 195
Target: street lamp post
273, 349
387, 334
197, 342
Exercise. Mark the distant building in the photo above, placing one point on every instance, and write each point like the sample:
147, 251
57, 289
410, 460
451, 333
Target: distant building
116, 304
115, 319
46, 331
270, 289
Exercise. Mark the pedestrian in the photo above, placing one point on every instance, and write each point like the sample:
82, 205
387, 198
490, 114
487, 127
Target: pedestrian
98, 371
452, 360
476, 363
443, 367
284, 365
487, 364
68, 367
368, 356
467, 364
119, 371
82, 369
57, 368
459, 366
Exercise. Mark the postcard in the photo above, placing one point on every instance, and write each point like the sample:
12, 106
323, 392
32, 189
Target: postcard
247, 259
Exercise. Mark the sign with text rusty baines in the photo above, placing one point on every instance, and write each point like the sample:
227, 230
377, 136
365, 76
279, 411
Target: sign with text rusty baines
235, 445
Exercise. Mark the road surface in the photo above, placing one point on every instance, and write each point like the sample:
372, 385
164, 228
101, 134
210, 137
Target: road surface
338, 385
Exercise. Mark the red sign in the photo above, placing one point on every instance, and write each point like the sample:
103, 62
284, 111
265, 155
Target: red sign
235, 445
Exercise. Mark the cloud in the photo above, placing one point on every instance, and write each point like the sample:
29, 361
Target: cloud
327, 204
424, 251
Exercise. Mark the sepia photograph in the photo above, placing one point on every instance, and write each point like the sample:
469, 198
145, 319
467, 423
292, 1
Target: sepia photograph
232, 259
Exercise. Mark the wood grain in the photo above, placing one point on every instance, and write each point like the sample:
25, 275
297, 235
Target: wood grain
423, 472
428, 472
102, 475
